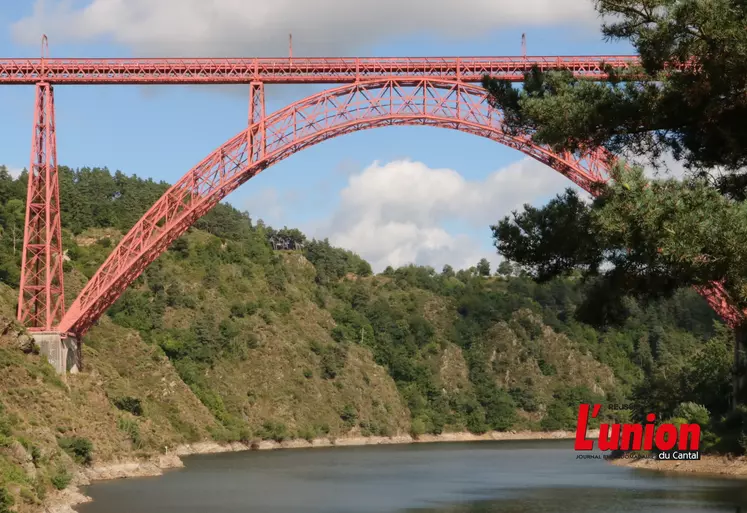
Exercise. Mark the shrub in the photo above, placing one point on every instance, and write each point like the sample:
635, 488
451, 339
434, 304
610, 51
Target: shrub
546, 368
525, 398
417, 428
251, 340
130, 404
32, 449
385, 431
131, 429
476, 422
80, 449
61, 478
240, 309
333, 361
678, 421
558, 417
35, 455
308, 433
316, 347
40, 487
283, 306
6, 500
274, 431
29, 497
5, 427
694, 413
349, 416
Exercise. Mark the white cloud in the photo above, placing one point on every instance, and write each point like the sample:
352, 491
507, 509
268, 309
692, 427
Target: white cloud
396, 213
15, 172
668, 167
259, 27
268, 204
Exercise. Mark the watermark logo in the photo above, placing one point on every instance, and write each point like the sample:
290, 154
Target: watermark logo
667, 441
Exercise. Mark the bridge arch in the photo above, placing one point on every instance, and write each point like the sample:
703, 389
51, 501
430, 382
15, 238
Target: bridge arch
363, 105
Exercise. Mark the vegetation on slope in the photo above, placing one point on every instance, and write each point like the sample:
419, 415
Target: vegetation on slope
223, 338
129, 402
654, 235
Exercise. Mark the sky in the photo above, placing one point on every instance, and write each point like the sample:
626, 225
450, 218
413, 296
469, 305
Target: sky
395, 195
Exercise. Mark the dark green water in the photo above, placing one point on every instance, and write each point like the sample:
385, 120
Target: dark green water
486, 477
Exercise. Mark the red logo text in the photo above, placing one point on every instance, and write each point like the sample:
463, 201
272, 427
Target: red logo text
635, 437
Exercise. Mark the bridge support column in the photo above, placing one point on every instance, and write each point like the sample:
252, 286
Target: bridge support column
257, 140
63, 353
41, 299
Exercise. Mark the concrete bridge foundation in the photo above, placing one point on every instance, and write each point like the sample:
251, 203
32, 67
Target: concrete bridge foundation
62, 352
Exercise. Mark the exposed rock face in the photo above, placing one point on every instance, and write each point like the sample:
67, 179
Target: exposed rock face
12, 333
25, 343
18, 453
9, 327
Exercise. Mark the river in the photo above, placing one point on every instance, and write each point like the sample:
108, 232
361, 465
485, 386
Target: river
477, 477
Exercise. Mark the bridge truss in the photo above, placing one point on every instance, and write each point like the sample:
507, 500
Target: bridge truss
375, 92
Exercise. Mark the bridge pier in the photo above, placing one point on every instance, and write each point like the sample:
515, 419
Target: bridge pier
62, 352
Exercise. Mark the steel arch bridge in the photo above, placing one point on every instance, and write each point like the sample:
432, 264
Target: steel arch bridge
436, 91
269, 139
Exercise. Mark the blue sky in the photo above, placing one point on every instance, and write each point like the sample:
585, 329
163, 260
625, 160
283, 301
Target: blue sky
162, 131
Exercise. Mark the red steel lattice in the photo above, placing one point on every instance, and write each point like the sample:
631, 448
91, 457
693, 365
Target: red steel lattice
421, 91
346, 109
295, 70
256, 114
41, 301
719, 301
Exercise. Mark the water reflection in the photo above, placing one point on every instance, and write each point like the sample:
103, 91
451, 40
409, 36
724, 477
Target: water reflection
596, 500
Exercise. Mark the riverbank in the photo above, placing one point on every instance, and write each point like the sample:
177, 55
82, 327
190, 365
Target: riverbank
65, 500
707, 465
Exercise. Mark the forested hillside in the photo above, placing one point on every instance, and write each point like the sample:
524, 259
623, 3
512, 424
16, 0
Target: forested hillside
225, 338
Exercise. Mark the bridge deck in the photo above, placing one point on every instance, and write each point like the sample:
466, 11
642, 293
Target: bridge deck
292, 70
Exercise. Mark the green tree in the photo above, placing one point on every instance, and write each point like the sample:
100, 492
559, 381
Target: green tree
13, 219
695, 112
6, 183
552, 239
333, 263
659, 234
654, 235
448, 271
505, 269
483, 267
